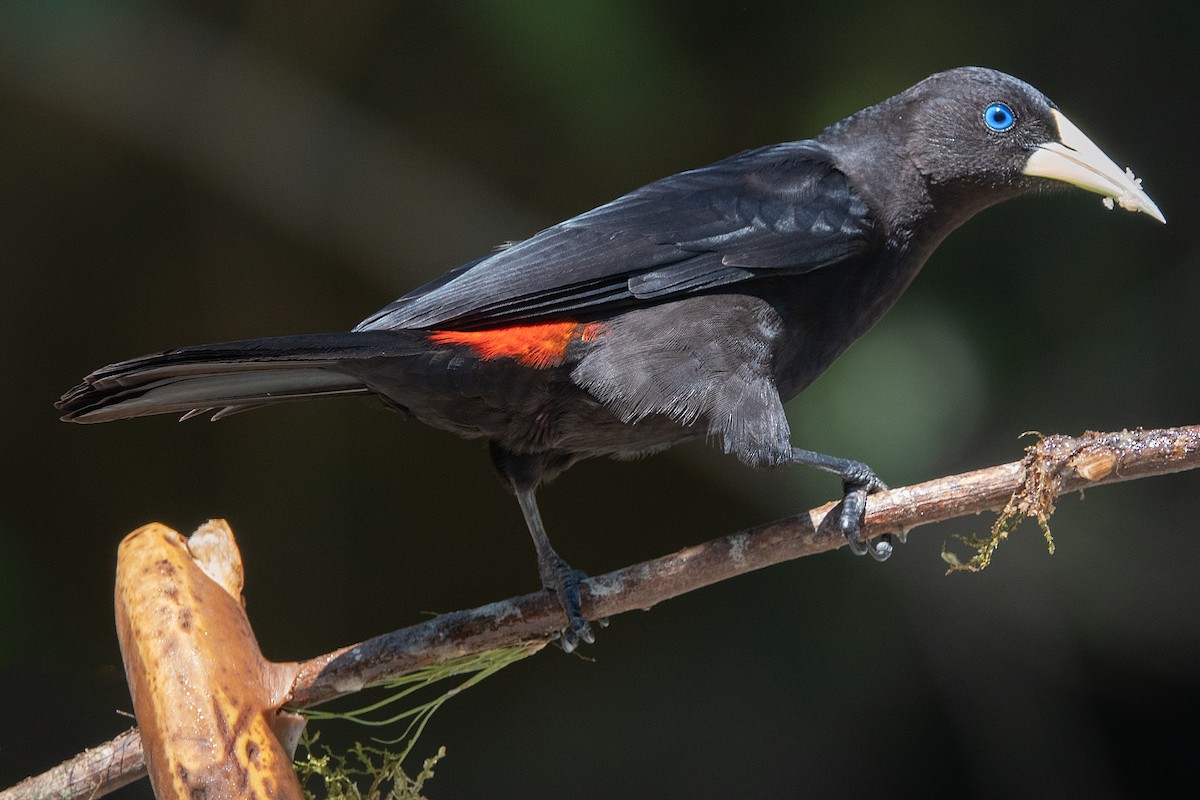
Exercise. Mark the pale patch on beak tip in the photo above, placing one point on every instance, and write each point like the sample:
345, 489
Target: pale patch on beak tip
1076, 160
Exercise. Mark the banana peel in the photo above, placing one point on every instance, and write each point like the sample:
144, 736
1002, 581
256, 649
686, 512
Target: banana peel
206, 701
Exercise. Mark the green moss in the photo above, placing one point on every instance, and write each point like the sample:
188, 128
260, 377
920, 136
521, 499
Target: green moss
373, 773
365, 773
1034, 499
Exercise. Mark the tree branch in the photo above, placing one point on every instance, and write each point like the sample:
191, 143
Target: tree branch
1056, 465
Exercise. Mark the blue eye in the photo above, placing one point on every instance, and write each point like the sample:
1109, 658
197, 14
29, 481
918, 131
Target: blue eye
999, 117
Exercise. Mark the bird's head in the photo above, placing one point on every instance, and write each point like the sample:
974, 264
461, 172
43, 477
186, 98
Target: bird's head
965, 139
982, 128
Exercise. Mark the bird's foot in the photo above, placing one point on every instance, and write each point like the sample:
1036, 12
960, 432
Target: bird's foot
558, 577
858, 481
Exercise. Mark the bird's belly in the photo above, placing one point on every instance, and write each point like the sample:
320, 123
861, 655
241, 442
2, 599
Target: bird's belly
521, 408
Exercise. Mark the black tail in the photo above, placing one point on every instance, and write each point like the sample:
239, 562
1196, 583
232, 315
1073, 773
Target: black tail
234, 376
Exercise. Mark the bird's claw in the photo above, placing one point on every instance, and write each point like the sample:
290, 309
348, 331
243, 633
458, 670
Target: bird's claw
879, 549
858, 482
564, 582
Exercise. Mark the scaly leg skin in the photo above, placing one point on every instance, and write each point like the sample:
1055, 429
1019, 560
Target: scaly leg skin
557, 576
858, 481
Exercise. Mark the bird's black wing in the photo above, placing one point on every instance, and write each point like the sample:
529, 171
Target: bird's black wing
777, 209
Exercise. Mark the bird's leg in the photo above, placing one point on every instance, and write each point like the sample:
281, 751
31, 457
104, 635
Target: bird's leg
556, 574
858, 480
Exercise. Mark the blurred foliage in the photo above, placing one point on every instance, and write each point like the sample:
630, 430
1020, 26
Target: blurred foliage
179, 172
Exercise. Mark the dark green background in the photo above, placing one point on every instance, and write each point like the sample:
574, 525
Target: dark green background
181, 173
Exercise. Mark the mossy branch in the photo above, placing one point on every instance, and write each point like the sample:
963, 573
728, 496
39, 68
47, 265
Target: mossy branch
1054, 466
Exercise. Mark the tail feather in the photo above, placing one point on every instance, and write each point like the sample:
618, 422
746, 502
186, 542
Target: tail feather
233, 376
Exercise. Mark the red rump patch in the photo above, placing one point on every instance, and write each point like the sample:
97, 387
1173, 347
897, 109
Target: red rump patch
539, 346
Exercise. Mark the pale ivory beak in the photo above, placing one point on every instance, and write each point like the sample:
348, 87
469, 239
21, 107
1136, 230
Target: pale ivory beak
1076, 160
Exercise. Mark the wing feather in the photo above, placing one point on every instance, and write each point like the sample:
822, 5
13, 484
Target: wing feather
783, 209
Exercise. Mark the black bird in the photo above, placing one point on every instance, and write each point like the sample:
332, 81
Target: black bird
692, 307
